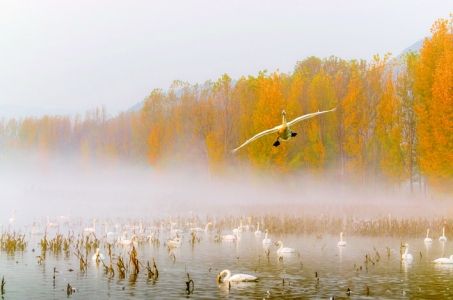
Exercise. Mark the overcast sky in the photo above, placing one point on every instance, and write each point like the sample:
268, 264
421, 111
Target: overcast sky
76, 55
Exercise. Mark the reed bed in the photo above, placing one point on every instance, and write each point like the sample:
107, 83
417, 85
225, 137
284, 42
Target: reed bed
122, 260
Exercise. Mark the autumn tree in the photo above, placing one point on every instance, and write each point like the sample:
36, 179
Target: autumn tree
434, 108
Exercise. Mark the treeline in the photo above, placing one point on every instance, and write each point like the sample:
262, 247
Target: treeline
393, 124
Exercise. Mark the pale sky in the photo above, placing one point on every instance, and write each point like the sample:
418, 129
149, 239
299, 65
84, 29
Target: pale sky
76, 55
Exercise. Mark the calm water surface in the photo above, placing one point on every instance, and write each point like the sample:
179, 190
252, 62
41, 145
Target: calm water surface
289, 276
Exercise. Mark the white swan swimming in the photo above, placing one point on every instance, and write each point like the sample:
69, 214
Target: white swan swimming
121, 238
229, 237
50, 224
35, 231
406, 256
130, 242
239, 229
258, 232
341, 242
443, 238
236, 277
91, 229
198, 229
427, 239
283, 131
98, 254
62, 218
13, 218
266, 240
106, 232
175, 242
284, 249
444, 260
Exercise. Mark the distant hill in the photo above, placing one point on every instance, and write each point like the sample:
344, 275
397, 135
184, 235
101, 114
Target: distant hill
414, 48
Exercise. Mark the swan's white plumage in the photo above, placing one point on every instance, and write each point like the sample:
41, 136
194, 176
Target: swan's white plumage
13, 218
284, 249
50, 224
443, 238
444, 260
98, 254
407, 256
228, 237
198, 229
258, 232
175, 242
266, 240
236, 277
341, 242
427, 239
91, 229
283, 131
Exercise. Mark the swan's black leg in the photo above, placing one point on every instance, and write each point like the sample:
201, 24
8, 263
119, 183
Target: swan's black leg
277, 143
293, 134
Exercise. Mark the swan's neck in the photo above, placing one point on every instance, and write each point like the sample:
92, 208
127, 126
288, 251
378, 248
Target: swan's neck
207, 225
281, 246
341, 237
443, 231
258, 228
284, 120
405, 252
427, 233
106, 226
265, 237
228, 275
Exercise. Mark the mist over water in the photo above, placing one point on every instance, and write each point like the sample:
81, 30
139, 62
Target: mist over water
37, 190
126, 195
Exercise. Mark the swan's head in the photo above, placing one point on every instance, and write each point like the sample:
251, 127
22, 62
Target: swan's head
283, 113
219, 277
278, 243
406, 245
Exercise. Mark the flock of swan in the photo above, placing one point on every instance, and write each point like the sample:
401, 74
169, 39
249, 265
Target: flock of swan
224, 275
406, 256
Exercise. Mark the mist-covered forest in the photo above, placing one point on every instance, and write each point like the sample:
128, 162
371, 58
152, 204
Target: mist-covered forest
392, 129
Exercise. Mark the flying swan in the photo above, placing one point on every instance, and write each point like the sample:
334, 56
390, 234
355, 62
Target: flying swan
283, 131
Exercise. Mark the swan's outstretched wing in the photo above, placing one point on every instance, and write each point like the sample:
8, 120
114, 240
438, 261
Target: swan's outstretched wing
257, 136
298, 119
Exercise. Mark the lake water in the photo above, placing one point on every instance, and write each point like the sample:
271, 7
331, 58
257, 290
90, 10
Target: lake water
319, 270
